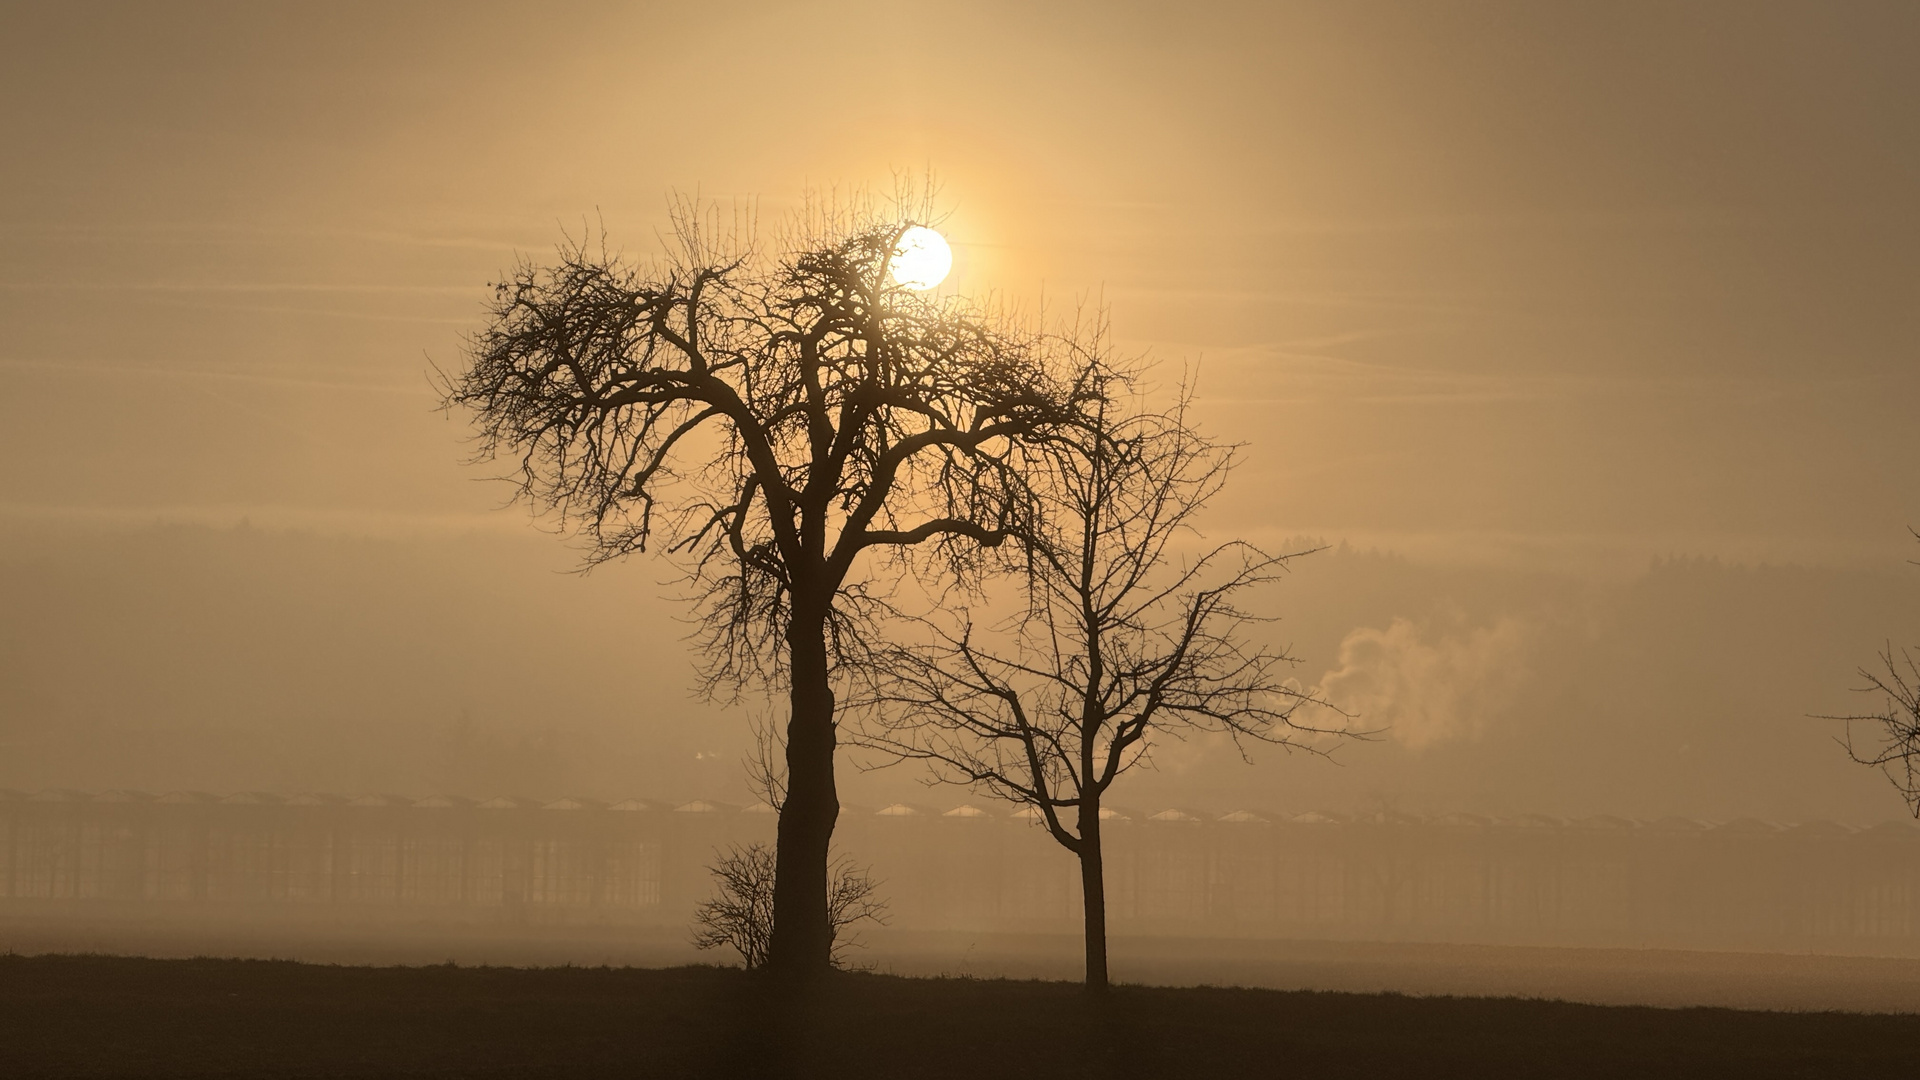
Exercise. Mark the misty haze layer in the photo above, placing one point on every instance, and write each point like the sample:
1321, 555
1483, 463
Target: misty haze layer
184, 657
1599, 325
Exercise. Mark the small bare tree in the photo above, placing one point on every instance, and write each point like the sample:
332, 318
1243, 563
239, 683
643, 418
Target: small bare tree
789, 424
1119, 639
1894, 748
740, 915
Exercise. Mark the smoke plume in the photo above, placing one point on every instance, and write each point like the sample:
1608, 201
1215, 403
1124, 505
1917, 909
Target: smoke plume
1427, 687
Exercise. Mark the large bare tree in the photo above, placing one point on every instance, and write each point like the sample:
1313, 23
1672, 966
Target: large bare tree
1120, 637
794, 425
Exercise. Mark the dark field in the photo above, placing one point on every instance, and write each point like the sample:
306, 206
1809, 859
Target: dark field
87, 1016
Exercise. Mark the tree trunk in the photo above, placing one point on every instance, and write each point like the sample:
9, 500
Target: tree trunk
1093, 890
802, 939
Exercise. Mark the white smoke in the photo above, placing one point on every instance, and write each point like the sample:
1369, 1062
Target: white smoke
1427, 688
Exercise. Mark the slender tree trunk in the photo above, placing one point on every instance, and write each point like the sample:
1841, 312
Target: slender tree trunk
1093, 890
802, 939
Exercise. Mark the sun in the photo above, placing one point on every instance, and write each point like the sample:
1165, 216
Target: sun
922, 258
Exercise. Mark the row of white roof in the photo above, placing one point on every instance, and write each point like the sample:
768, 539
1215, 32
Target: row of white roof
909, 810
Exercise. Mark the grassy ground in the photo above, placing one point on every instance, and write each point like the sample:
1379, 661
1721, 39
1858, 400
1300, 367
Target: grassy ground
91, 1016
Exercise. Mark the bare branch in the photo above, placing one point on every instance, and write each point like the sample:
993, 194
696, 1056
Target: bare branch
767, 417
1118, 637
1894, 747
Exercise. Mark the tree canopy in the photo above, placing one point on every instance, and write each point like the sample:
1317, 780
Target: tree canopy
1120, 636
786, 419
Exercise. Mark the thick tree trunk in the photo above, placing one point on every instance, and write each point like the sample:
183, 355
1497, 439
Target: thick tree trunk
802, 939
1093, 890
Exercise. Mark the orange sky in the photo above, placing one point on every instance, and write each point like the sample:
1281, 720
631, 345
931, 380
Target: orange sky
1519, 286
1491, 278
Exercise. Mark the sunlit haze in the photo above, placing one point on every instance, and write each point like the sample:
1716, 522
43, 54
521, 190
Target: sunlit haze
1575, 347
1520, 303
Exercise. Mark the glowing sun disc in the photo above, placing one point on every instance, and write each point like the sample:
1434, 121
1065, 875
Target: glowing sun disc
922, 258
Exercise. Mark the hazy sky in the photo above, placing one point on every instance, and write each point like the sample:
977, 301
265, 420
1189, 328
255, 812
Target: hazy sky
1524, 287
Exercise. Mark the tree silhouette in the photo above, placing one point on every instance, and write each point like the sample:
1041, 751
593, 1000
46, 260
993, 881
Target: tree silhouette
1895, 747
1118, 639
740, 913
791, 426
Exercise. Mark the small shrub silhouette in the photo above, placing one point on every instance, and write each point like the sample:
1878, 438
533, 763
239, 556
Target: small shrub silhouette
741, 914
